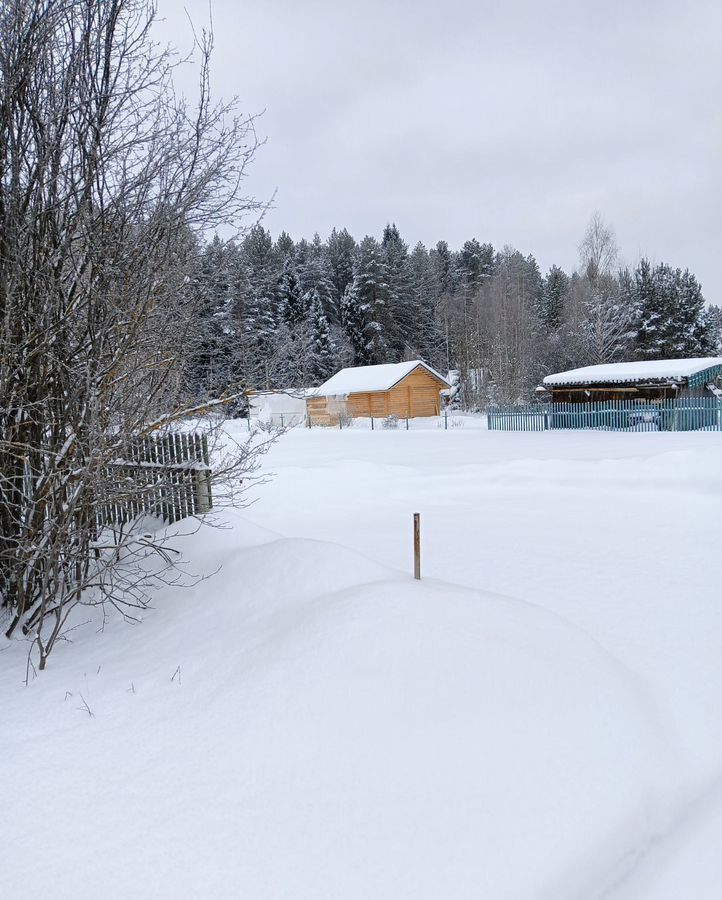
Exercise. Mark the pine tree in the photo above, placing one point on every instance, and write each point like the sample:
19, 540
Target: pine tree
476, 262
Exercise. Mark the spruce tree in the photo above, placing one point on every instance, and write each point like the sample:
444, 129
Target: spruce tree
292, 301
323, 350
428, 336
403, 324
445, 273
340, 260
554, 295
669, 313
284, 248
371, 289
353, 322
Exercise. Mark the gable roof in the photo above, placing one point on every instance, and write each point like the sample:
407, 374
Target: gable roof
650, 370
361, 379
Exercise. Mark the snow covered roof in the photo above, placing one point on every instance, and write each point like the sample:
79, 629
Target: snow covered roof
285, 392
653, 370
359, 379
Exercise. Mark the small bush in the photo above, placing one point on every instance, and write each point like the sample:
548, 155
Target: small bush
391, 421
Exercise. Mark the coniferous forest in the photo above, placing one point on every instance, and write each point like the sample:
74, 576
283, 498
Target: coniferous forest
283, 313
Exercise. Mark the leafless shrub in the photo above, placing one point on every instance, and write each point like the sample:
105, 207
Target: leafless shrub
106, 178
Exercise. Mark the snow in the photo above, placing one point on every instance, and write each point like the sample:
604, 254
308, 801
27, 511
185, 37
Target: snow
634, 371
359, 379
538, 717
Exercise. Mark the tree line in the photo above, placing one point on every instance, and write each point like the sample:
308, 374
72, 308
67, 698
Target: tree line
283, 313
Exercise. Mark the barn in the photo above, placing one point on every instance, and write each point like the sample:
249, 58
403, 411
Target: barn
404, 389
649, 380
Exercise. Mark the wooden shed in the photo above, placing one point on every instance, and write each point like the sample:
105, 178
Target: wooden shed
405, 389
648, 380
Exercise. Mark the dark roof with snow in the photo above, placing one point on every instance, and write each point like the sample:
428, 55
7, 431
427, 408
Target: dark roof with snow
660, 370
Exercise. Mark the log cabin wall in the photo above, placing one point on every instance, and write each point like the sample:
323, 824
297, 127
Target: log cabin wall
418, 394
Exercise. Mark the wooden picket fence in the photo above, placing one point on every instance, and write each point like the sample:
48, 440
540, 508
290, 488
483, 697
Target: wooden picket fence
681, 414
167, 476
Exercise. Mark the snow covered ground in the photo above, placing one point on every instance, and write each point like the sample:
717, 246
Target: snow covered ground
539, 717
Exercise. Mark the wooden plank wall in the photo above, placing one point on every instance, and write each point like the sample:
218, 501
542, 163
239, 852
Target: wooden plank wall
418, 394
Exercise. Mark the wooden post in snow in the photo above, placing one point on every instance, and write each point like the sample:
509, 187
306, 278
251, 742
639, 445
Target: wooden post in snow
417, 546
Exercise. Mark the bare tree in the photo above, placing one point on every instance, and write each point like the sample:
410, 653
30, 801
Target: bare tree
106, 176
598, 250
603, 316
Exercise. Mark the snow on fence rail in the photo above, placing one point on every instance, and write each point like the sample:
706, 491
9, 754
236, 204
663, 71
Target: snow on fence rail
167, 476
682, 414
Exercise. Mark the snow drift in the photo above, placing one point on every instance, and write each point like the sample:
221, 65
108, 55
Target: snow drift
309, 724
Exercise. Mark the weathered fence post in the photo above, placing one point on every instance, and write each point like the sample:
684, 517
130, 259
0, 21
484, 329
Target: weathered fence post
372, 423
417, 546
446, 420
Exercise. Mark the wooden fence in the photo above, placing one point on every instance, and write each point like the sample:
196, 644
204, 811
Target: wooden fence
167, 476
682, 414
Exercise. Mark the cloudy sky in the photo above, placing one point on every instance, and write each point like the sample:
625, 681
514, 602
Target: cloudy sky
507, 121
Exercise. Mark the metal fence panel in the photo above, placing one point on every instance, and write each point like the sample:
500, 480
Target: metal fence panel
682, 414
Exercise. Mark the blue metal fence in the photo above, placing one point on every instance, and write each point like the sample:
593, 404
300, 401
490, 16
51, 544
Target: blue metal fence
682, 414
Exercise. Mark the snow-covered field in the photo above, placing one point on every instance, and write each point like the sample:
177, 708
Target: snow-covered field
539, 717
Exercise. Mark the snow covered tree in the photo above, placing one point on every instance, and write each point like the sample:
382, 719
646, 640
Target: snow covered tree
370, 288
599, 310
313, 275
554, 296
212, 364
292, 302
402, 322
427, 338
107, 179
598, 248
340, 260
442, 260
669, 313
712, 323
284, 248
323, 349
476, 262
354, 324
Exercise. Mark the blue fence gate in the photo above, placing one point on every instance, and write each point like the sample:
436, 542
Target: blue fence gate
682, 414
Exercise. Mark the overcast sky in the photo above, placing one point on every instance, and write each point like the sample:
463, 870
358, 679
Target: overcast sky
510, 122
